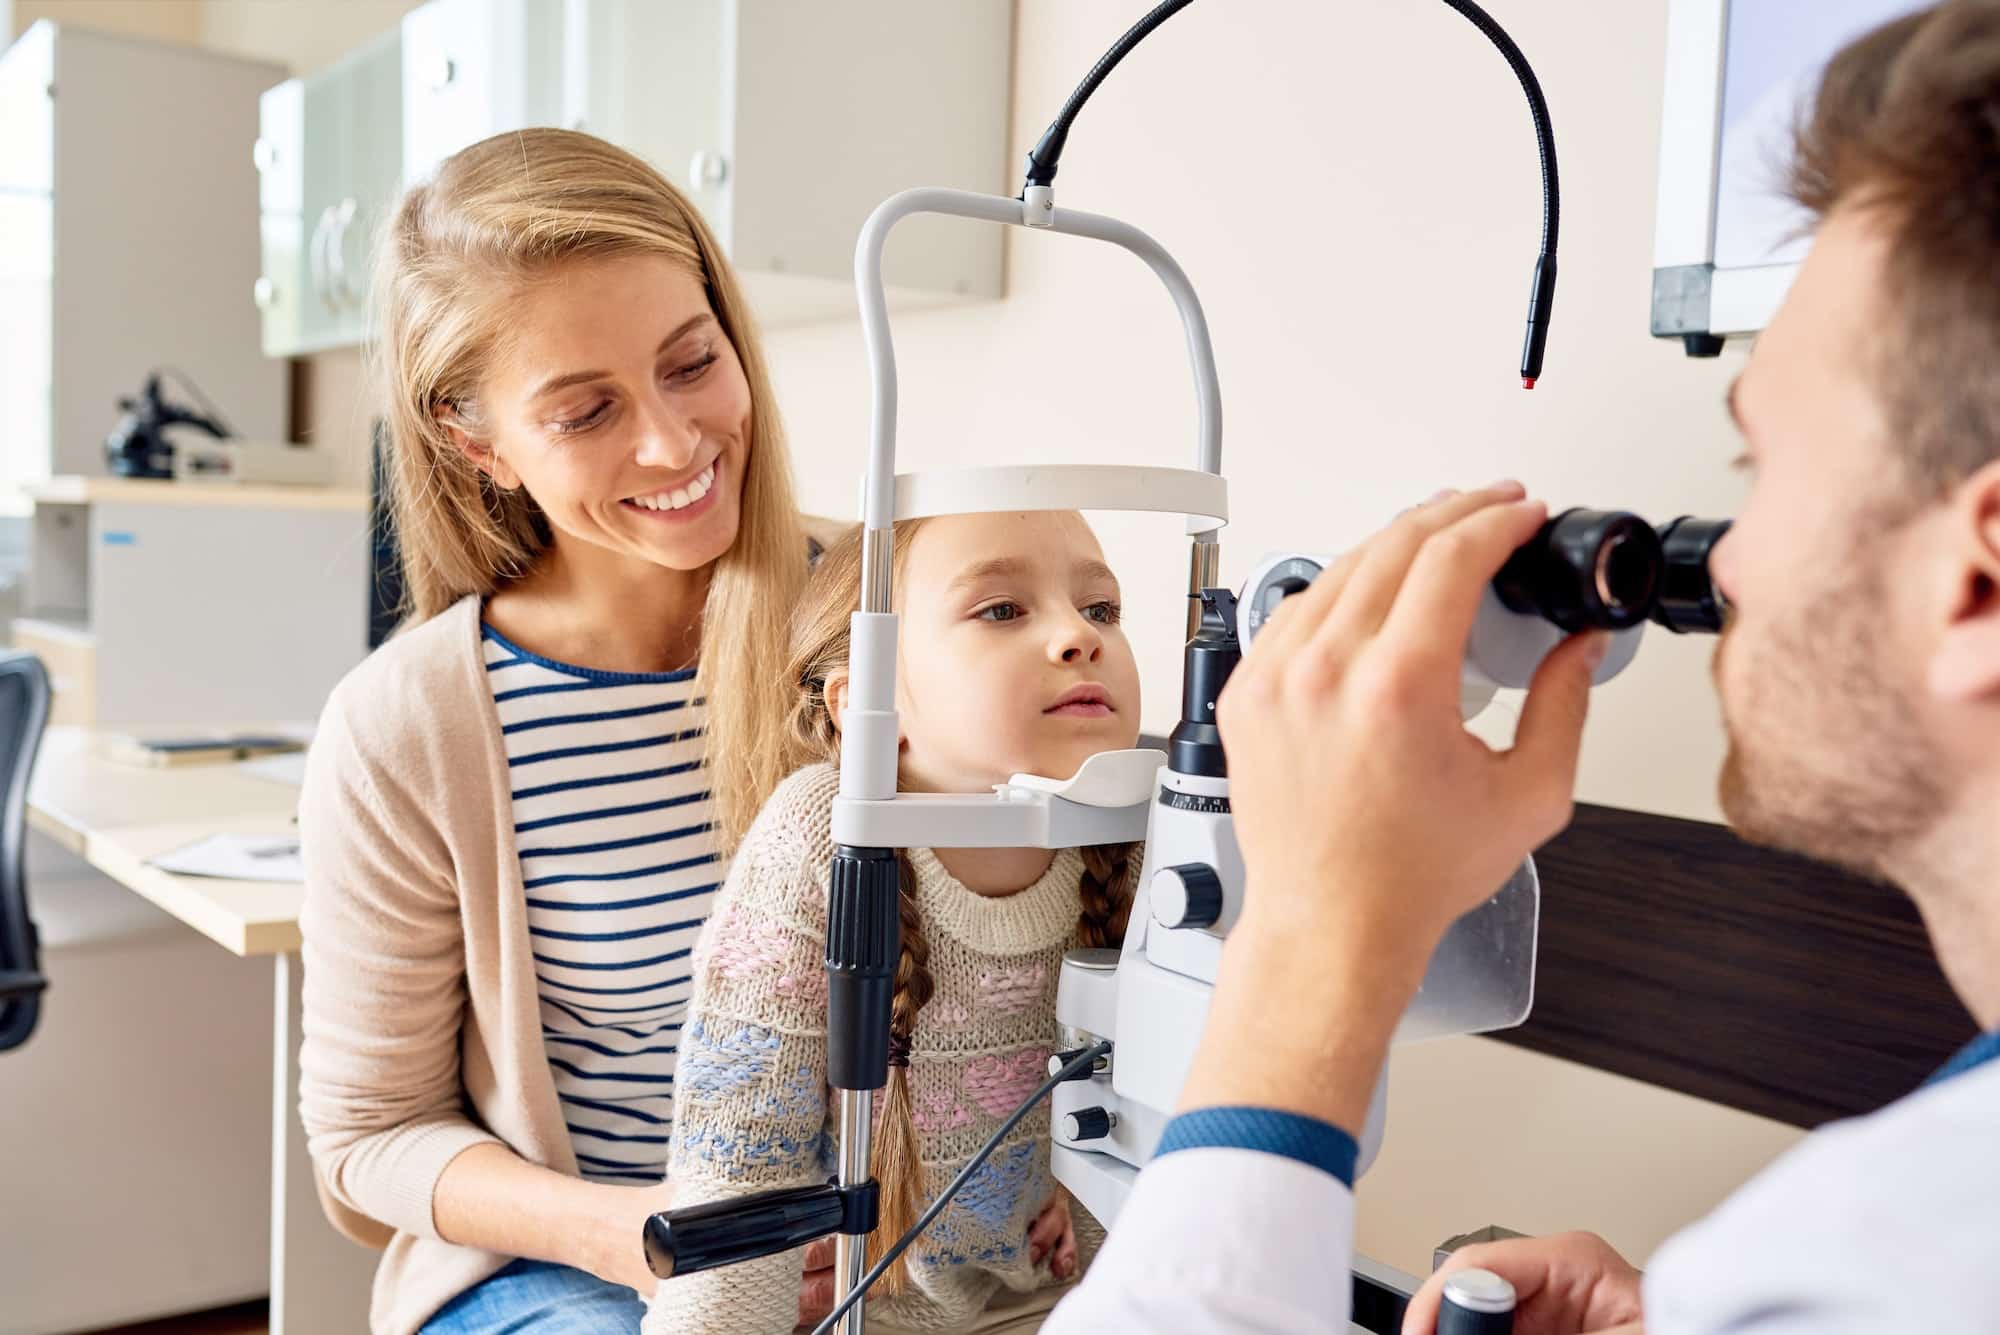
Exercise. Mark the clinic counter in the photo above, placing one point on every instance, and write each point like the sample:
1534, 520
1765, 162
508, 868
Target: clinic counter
117, 816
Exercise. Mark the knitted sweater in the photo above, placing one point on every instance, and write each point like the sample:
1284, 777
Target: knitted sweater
753, 1106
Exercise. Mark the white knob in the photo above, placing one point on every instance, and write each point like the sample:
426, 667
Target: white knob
443, 72
266, 293
1088, 1124
1187, 896
265, 154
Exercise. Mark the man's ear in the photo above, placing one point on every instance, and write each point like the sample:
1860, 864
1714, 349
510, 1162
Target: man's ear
1966, 665
482, 454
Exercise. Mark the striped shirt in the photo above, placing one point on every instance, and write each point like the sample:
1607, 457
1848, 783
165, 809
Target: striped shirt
611, 814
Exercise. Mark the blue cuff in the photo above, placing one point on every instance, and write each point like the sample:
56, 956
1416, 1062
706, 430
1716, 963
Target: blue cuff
1307, 1140
1977, 1053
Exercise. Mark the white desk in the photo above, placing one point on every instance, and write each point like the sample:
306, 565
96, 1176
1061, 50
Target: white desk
115, 816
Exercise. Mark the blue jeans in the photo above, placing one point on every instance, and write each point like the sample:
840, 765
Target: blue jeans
539, 1298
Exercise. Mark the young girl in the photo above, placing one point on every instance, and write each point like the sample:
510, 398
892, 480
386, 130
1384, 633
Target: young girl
1011, 661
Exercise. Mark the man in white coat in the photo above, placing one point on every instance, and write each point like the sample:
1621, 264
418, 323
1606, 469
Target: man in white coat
1860, 681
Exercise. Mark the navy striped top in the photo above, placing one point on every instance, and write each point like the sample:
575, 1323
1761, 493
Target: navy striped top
612, 825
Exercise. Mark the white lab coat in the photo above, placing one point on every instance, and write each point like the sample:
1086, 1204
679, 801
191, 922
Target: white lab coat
1885, 1223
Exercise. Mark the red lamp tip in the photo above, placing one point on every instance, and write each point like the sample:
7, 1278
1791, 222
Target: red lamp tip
1527, 382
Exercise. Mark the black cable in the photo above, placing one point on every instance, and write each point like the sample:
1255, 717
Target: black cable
1538, 107
1077, 1063
1542, 295
1042, 160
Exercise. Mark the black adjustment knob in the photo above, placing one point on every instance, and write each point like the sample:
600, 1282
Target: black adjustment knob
1189, 895
1476, 1302
1088, 1124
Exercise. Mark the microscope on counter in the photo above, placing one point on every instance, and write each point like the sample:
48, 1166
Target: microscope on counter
1132, 1018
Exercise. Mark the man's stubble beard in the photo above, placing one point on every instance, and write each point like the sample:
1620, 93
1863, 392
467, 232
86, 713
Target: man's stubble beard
1826, 757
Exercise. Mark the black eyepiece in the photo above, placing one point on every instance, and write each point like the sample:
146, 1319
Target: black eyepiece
1586, 570
1689, 600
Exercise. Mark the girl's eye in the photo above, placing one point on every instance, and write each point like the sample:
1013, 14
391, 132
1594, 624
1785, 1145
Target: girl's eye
1000, 612
1104, 614
570, 425
687, 375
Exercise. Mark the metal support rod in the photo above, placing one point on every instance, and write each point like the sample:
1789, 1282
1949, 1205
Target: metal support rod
857, 1124
1204, 572
878, 549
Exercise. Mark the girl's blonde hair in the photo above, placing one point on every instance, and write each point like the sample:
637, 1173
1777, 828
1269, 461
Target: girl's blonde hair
506, 212
820, 648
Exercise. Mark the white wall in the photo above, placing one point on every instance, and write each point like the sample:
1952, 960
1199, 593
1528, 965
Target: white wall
1352, 189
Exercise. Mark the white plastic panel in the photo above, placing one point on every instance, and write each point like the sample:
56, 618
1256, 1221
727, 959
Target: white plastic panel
978, 820
281, 617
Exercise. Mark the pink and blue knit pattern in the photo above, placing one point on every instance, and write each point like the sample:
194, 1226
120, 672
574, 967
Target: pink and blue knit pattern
753, 1111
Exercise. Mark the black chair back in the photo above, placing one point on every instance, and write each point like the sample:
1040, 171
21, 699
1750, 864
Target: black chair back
24, 712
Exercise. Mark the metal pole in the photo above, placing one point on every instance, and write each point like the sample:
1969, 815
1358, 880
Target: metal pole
857, 1108
1204, 571
878, 549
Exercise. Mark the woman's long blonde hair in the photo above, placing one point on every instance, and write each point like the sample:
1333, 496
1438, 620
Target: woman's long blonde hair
820, 651
506, 212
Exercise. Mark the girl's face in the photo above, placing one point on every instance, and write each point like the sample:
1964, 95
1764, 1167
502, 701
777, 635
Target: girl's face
1011, 656
621, 407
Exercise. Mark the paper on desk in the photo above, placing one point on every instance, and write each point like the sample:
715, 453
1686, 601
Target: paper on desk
238, 857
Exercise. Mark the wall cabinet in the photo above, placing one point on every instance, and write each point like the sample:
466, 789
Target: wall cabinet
127, 242
329, 157
786, 121
473, 68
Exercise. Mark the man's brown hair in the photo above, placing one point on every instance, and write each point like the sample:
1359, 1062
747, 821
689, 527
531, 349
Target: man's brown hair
1907, 125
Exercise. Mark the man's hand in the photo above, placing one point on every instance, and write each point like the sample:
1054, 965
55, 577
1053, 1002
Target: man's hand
1568, 1284
1368, 816
1360, 800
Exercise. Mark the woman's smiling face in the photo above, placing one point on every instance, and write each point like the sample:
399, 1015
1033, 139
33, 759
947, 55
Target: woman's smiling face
621, 407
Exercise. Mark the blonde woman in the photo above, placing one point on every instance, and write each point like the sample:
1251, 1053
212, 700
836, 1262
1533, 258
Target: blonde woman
518, 810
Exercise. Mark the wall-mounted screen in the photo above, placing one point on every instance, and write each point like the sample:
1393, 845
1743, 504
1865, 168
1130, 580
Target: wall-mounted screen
1741, 74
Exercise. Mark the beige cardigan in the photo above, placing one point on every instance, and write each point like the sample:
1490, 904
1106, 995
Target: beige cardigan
422, 1027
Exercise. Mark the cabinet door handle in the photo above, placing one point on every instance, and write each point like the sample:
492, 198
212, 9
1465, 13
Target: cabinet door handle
341, 290
443, 73
708, 168
265, 292
316, 255
265, 154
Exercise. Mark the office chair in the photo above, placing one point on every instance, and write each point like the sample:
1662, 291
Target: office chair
24, 712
